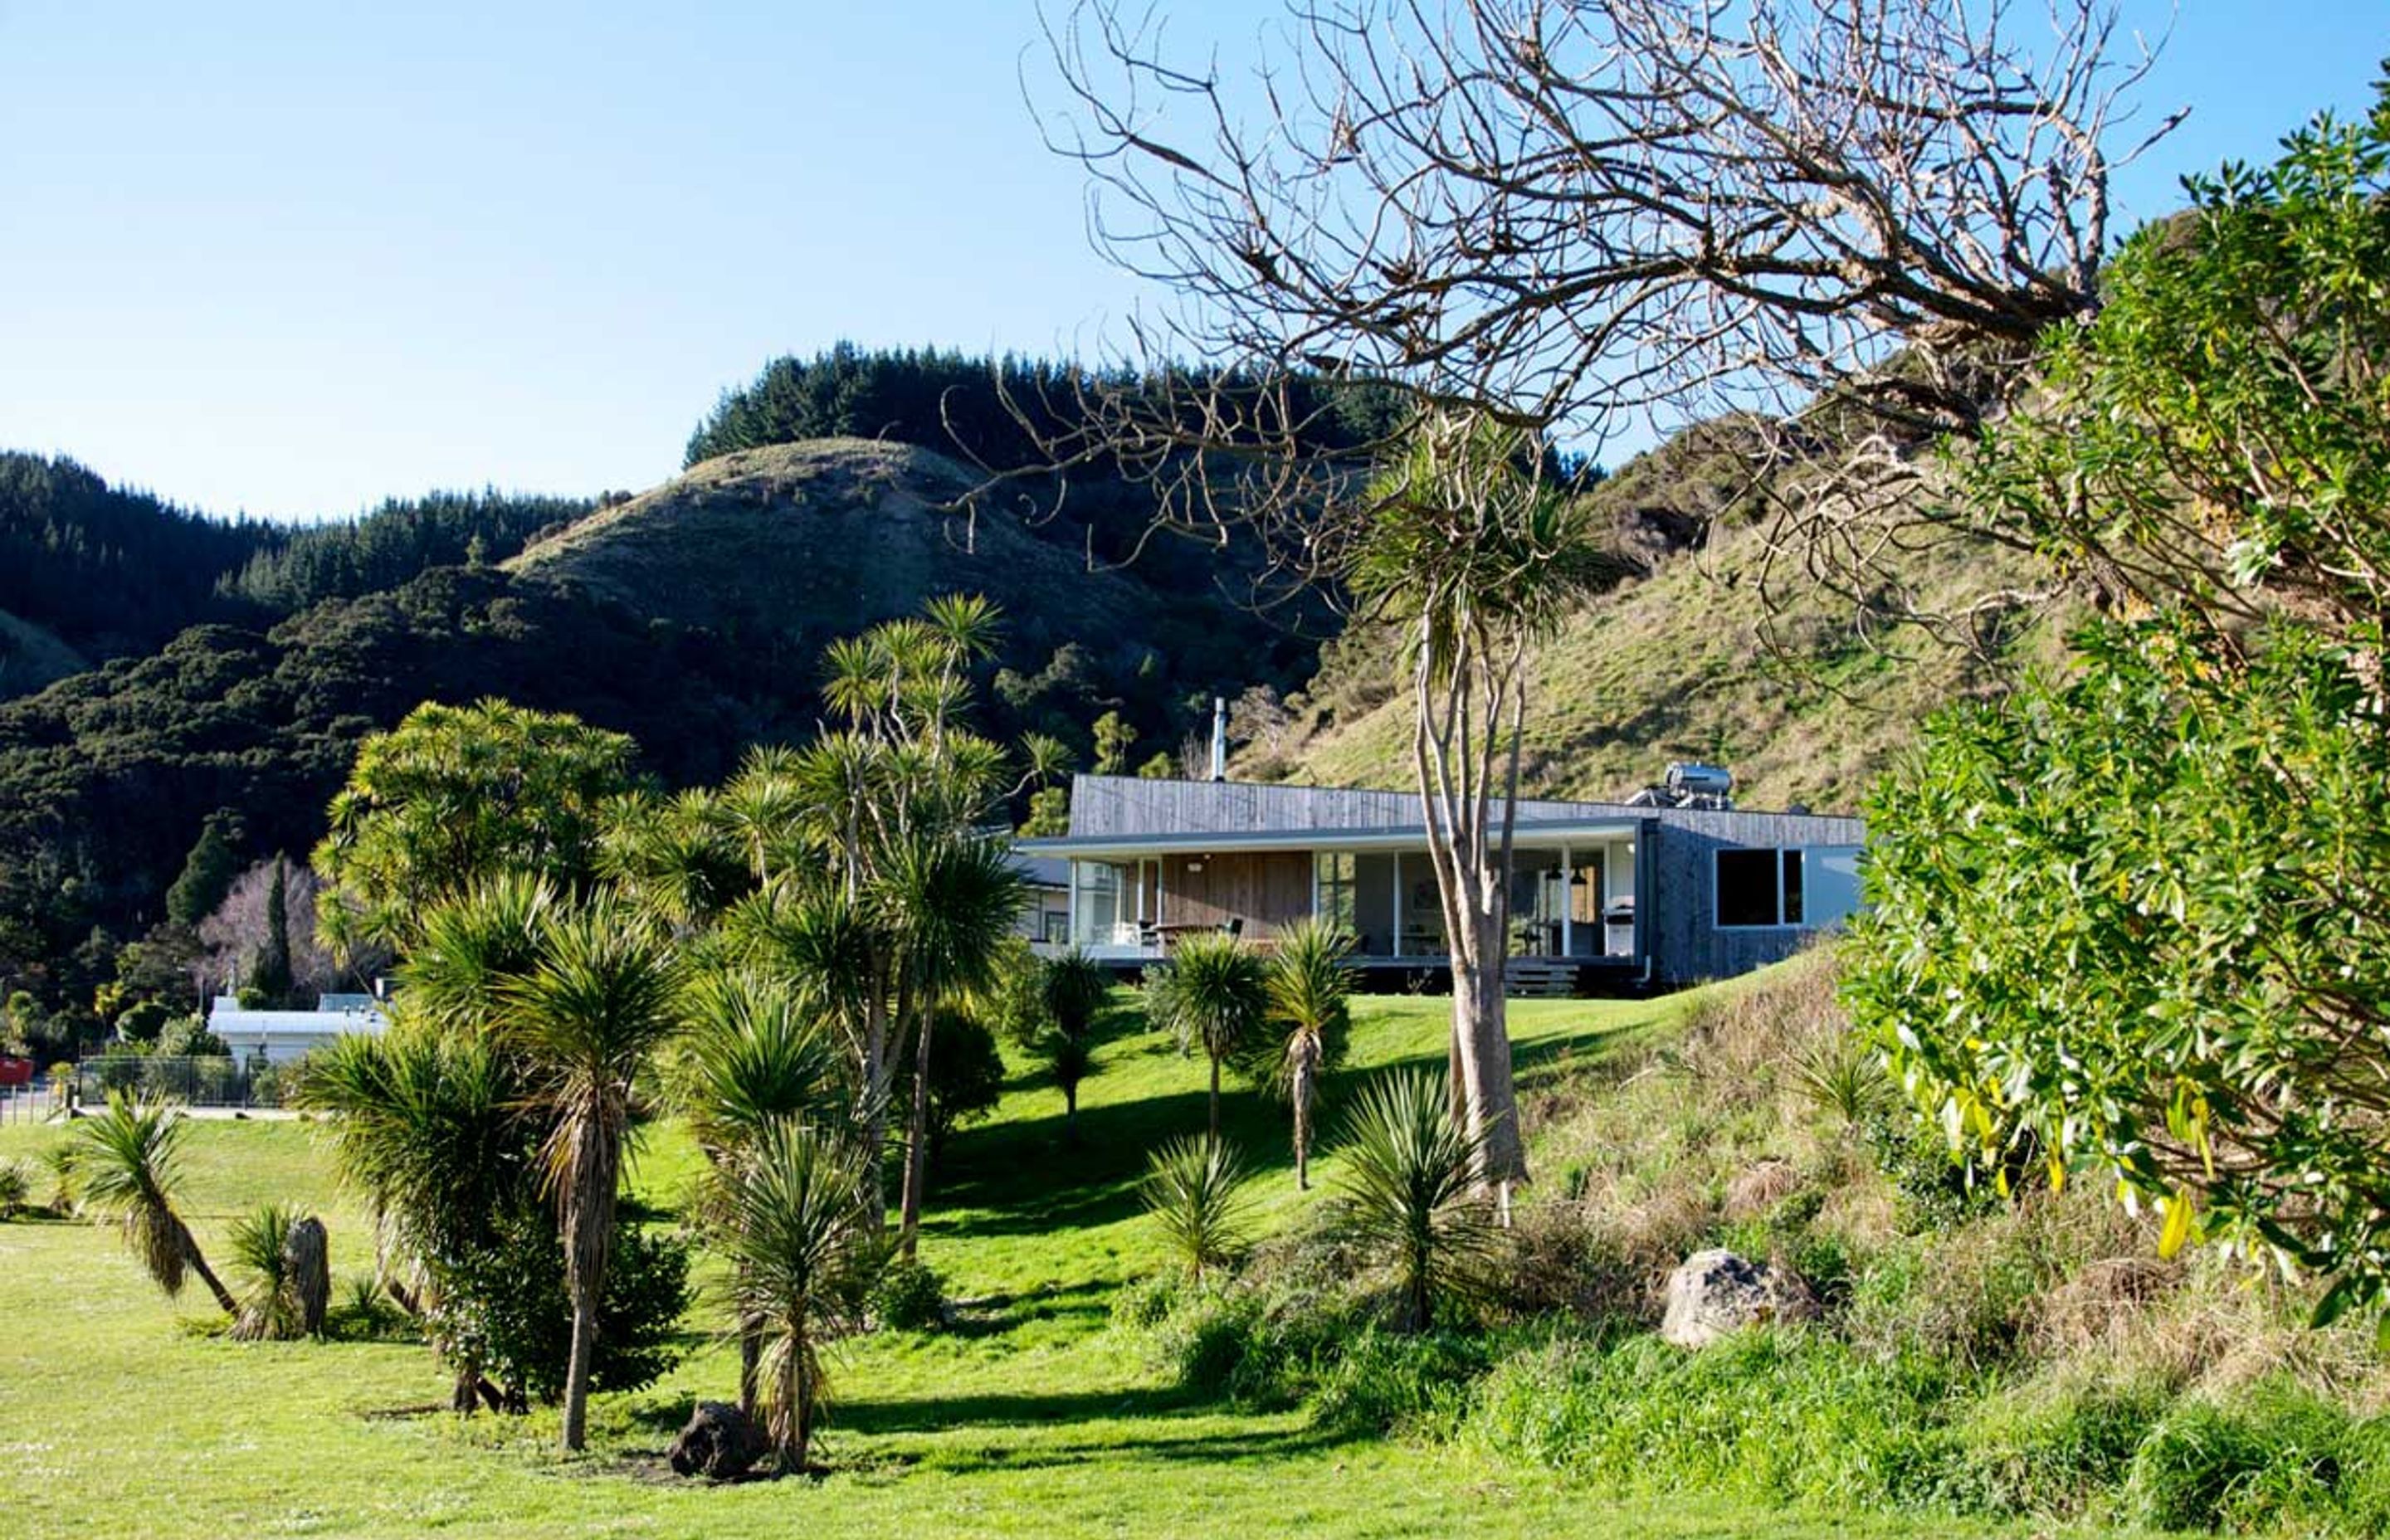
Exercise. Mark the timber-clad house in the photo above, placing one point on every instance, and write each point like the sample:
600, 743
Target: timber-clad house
1604, 894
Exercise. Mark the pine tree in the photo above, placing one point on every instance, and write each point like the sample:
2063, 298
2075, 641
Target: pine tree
207, 874
270, 974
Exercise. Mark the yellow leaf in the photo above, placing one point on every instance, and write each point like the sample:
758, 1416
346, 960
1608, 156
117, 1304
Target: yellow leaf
2177, 1233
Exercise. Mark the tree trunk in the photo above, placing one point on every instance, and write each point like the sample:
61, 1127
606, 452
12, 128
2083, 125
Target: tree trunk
916, 1145
750, 1358
1071, 1114
588, 1226
875, 1106
207, 1275
1306, 1069
1458, 752
801, 1412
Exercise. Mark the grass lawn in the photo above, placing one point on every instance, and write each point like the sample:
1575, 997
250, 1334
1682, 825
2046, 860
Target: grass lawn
1033, 1418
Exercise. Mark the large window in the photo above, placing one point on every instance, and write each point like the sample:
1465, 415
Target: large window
1809, 888
1336, 874
1096, 903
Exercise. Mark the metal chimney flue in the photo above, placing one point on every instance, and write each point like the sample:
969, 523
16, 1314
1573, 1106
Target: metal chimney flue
1219, 738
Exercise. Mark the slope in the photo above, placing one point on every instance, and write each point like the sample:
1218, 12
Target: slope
1804, 693
786, 546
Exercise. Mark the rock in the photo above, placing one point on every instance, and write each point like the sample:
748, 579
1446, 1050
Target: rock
719, 1442
1712, 1293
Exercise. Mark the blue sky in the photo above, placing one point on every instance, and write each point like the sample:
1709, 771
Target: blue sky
292, 258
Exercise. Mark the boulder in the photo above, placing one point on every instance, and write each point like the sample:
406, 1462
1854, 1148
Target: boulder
720, 1442
1712, 1293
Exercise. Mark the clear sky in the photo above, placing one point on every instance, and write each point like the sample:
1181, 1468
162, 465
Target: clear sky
291, 258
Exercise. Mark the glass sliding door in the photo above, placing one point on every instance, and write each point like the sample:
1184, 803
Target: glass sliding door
1538, 890
1096, 889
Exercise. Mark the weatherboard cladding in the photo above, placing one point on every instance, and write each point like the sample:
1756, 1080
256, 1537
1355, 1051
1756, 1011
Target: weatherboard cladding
1675, 855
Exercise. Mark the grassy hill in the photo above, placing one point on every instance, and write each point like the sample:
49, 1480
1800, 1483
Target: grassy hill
1674, 665
792, 545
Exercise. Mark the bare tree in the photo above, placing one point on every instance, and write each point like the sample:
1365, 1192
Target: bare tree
1848, 219
237, 931
1855, 217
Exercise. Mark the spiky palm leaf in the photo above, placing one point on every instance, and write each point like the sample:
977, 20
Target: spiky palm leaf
469, 946
1213, 992
1195, 1190
1409, 1179
1310, 992
588, 1015
794, 1227
261, 1259
680, 860
127, 1166
15, 1188
754, 1055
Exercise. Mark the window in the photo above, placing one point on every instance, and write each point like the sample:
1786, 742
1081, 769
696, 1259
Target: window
1746, 887
1335, 874
1812, 888
1096, 893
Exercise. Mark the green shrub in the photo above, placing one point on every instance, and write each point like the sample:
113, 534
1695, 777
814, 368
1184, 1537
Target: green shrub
908, 1297
15, 1188
2054, 1455
1261, 1347
1144, 1305
1196, 1191
1772, 1416
1380, 1381
364, 1312
2273, 1455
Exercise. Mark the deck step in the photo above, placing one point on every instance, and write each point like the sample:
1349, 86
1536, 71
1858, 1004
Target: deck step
1529, 978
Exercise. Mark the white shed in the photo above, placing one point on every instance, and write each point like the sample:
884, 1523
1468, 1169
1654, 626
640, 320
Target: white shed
281, 1036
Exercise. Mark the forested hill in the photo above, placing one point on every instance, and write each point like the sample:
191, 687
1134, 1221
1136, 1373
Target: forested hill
105, 570
999, 413
691, 617
90, 572
784, 549
392, 543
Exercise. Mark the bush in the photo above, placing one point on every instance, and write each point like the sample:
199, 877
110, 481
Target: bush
1772, 1416
2274, 1455
513, 1315
908, 1297
364, 1310
15, 1188
1380, 1381
2053, 1455
1145, 1305
1196, 1191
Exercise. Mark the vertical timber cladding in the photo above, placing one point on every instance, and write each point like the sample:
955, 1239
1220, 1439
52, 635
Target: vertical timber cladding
1266, 890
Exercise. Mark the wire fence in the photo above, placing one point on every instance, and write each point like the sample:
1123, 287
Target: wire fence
194, 1080
35, 1103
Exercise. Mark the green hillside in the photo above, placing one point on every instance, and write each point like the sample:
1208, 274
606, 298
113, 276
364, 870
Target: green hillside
796, 544
1805, 706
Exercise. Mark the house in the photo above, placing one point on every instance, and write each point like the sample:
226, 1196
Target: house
1674, 886
1045, 913
280, 1037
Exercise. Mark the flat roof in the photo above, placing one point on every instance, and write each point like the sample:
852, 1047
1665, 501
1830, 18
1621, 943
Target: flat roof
1537, 834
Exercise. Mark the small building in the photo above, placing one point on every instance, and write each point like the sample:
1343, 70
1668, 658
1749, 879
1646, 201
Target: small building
280, 1037
1604, 895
